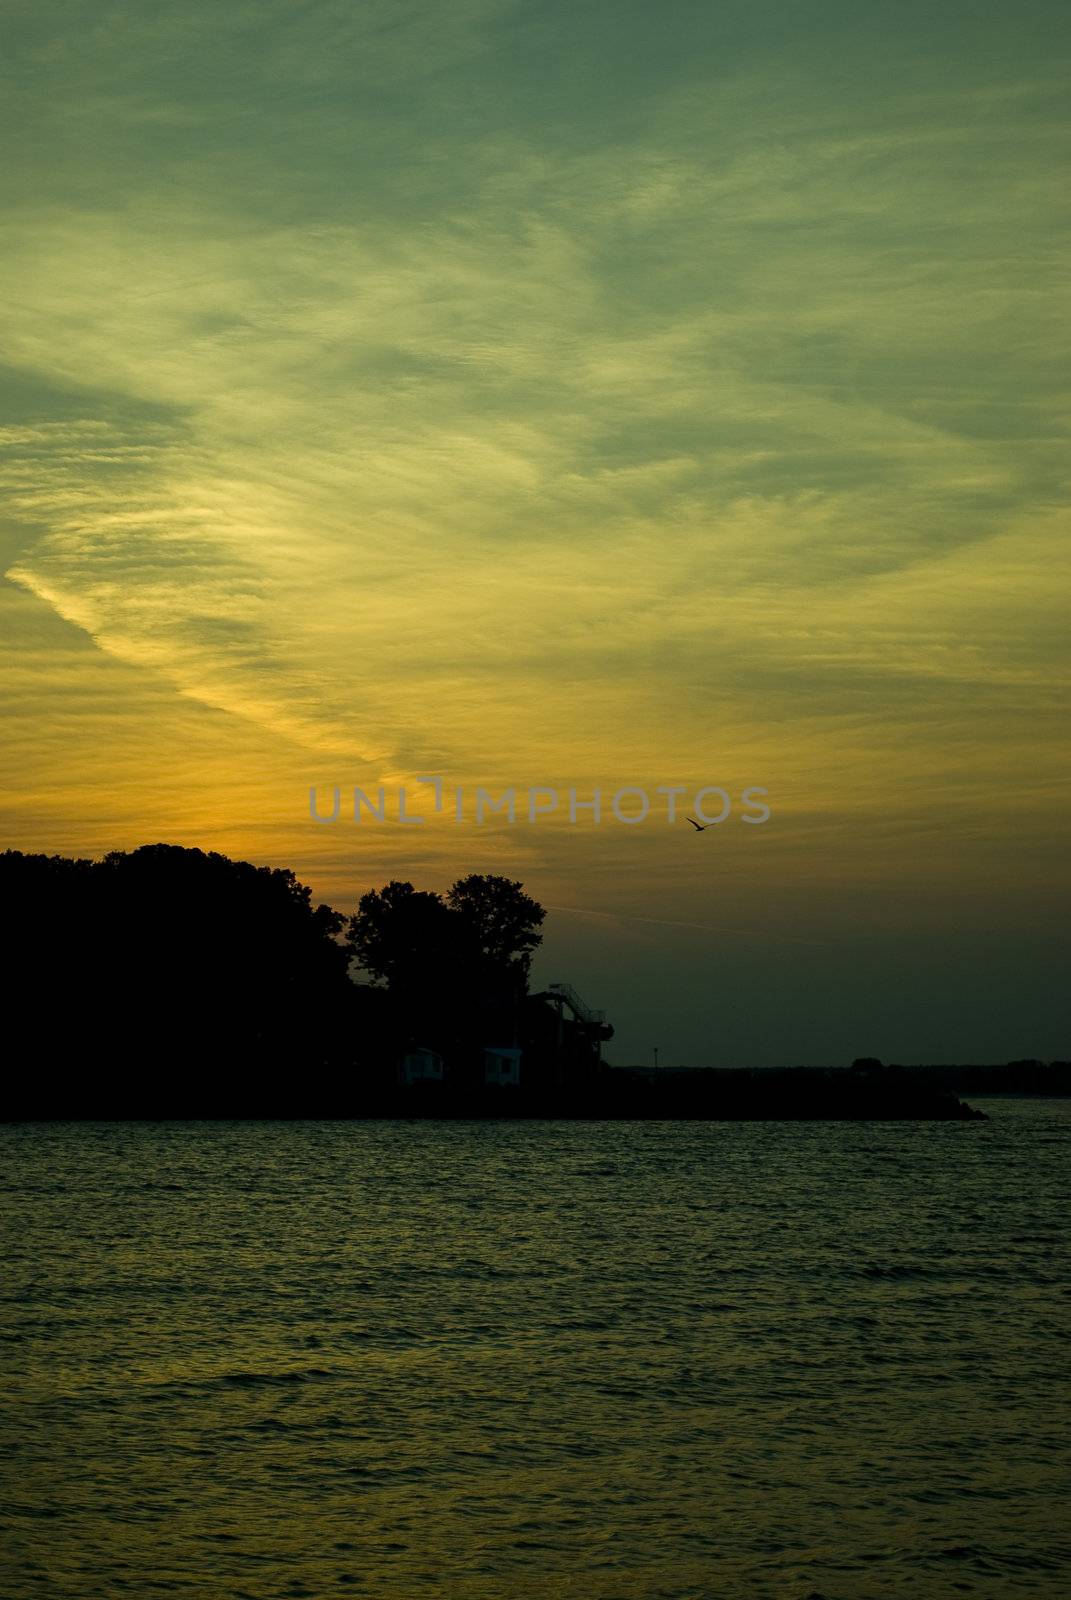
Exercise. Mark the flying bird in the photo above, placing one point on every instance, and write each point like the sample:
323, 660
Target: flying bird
700, 827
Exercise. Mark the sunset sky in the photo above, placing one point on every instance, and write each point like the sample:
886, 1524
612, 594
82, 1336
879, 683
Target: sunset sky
563, 394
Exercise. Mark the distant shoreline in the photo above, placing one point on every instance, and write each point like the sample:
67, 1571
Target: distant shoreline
741, 1097
618, 1094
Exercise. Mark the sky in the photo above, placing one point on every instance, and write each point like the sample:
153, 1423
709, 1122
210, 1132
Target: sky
570, 395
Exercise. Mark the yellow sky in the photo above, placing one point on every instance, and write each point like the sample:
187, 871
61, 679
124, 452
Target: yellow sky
459, 398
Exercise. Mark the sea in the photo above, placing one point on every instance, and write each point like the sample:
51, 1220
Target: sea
617, 1361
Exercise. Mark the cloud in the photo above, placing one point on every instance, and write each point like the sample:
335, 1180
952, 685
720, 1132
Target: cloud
746, 399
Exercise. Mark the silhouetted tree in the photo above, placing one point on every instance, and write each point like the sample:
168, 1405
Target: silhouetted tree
406, 939
501, 924
456, 967
174, 963
400, 935
485, 926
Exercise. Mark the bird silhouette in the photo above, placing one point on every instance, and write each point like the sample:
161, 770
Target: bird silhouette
700, 827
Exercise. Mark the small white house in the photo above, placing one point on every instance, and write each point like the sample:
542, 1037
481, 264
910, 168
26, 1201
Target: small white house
501, 1064
421, 1066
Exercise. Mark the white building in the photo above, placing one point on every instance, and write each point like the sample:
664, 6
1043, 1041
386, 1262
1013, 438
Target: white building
501, 1064
421, 1066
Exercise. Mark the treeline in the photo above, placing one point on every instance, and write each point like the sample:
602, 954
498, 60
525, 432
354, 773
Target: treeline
164, 978
167, 981
163, 962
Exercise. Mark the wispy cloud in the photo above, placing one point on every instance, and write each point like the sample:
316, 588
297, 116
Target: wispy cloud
403, 398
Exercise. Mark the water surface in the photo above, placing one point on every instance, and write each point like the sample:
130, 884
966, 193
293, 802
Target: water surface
623, 1361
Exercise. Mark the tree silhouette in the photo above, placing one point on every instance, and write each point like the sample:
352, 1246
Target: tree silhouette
406, 939
500, 922
455, 966
401, 935
174, 961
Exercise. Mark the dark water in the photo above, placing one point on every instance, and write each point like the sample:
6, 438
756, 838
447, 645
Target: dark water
513, 1359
